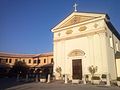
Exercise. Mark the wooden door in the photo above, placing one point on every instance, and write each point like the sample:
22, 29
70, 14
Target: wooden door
77, 68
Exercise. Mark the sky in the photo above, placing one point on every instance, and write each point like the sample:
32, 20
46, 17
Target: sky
25, 25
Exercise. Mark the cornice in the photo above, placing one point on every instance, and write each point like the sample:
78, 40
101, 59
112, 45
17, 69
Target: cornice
79, 24
82, 34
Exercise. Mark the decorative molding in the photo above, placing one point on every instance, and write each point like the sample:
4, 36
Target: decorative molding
59, 34
76, 25
76, 19
83, 34
76, 52
95, 25
69, 31
83, 28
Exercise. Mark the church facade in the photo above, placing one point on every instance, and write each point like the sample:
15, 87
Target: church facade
83, 40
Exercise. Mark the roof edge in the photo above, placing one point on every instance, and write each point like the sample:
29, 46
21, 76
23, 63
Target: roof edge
14, 55
113, 29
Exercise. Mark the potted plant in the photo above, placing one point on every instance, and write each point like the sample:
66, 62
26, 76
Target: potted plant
104, 78
118, 81
95, 80
87, 78
42, 78
58, 70
92, 71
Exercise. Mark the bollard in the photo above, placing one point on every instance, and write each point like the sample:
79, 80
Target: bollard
36, 78
66, 79
48, 79
108, 80
84, 79
18, 76
26, 78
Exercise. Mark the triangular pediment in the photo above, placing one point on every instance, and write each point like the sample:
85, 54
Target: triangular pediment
76, 18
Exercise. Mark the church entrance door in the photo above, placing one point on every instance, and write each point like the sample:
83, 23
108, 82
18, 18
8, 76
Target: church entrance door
77, 68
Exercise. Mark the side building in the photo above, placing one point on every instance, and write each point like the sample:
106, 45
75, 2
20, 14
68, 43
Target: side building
32, 60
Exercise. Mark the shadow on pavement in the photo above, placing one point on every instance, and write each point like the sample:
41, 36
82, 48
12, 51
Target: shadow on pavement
9, 82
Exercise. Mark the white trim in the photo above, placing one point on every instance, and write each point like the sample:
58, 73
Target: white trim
98, 16
73, 58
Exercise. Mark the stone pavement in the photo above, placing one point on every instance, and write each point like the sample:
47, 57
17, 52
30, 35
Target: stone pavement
60, 86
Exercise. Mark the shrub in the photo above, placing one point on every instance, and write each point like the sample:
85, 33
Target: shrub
92, 70
20, 67
104, 76
86, 76
58, 70
118, 78
95, 78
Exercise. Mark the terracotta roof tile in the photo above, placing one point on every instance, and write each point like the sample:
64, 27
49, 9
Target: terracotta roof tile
12, 55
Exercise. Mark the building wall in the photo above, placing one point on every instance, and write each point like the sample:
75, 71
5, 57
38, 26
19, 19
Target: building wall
118, 67
94, 40
2, 60
113, 46
44, 60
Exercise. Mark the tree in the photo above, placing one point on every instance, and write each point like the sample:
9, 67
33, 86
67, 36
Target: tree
20, 67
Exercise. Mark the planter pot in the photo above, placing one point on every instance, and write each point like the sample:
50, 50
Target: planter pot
96, 82
43, 80
57, 76
76, 81
118, 83
104, 80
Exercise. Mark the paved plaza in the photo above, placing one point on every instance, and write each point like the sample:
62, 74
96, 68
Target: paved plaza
53, 86
13, 85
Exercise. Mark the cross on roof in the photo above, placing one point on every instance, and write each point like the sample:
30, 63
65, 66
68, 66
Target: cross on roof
75, 7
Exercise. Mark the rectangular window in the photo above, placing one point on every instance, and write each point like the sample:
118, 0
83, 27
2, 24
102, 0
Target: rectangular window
29, 60
111, 42
117, 47
51, 60
10, 60
44, 60
38, 61
6, 60
23, 60
0, 60
16, 60
34, 61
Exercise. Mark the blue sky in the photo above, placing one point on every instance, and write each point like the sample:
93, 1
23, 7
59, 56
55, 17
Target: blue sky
25, 25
